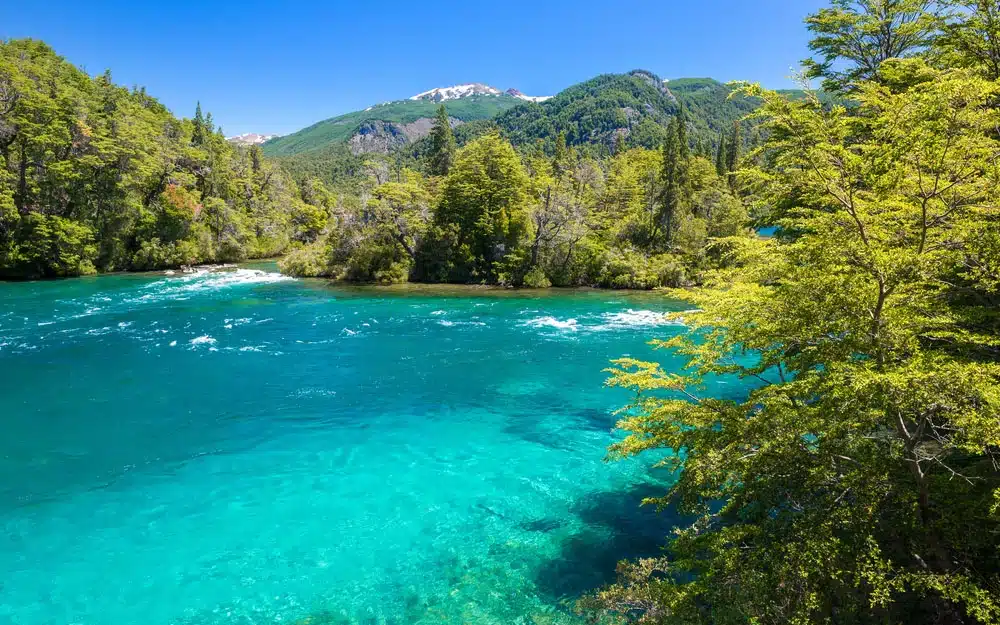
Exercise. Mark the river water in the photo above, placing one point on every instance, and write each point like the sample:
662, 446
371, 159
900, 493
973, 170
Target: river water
241, 447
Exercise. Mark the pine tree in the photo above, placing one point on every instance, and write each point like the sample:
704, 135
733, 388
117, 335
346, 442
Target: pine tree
442, 144
733, 153
705, 148
683, 147
621, 143
676, 155
721, 158
198, 136
561, 154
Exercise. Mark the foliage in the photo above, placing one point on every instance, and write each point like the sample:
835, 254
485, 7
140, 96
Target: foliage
536, 279
96, 176
483, 201
442, 150
970, 36
863, 34
49, 246
529, 219
858, 482
376, 240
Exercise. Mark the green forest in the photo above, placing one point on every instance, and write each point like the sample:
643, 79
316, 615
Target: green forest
487, 213
95, 177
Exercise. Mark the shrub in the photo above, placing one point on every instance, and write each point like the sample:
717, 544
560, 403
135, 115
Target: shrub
307, 262
52, 246
536, 279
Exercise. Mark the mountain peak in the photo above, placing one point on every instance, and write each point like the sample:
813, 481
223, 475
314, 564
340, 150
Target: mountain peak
455, 92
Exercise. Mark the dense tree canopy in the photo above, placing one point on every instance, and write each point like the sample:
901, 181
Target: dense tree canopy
859, 481
94, 176
535, 219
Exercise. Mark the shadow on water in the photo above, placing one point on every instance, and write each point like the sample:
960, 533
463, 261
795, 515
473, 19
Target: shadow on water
551, 433
618, 528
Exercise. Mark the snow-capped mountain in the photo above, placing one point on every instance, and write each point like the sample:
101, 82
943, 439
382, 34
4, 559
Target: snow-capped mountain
458, 91
250, 138
455, 92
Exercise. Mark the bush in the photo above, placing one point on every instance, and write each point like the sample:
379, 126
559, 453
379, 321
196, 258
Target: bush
396, 273
632, 270
310, 261
230, 250
536, 279
153, 254
52, 246
512, 269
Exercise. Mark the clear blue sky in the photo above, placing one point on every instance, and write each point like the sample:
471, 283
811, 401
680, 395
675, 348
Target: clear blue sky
277, 67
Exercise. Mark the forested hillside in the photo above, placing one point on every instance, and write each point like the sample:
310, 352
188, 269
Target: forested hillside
490, 213
97, 177
340, 129
632, 108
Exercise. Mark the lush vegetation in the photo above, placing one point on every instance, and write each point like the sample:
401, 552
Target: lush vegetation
97, 177
488, 213
630, 109
599, 117
860, 481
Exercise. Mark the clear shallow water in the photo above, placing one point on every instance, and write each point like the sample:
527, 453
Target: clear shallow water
244, 448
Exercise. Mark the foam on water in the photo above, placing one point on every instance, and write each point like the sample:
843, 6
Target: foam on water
551, 322
340, 456
206, 280
618, 320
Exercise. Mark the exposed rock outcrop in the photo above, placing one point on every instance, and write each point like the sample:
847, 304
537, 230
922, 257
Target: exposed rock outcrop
381, 137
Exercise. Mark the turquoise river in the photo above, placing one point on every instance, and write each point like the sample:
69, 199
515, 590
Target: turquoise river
241, 447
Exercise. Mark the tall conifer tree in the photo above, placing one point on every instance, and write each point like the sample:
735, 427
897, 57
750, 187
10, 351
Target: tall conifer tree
442, 144
733, 153
198, 136
721, 158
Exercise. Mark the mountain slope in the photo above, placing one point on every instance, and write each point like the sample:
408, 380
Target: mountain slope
403, 112
594, 111
638, 105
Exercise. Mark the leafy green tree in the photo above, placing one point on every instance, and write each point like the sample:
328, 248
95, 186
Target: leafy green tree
89, 166
484, 208
970, 36
442, 153
858, 482
51, 246
852, 38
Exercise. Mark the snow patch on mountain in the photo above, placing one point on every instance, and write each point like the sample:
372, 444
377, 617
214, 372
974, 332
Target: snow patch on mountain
250, 138
441, 94
455, 92
529, 98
